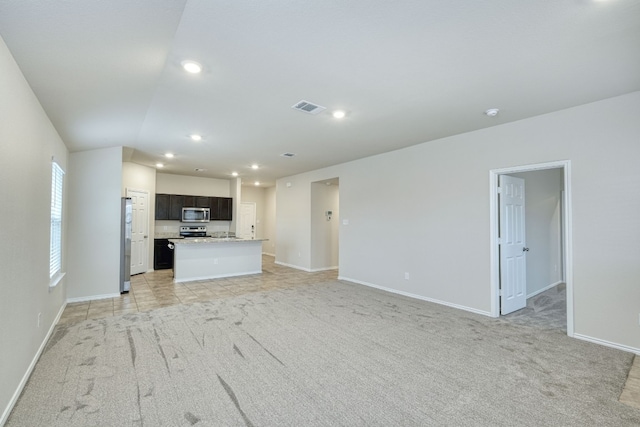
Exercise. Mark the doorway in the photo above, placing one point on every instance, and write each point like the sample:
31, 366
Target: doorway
560, 268
325, 222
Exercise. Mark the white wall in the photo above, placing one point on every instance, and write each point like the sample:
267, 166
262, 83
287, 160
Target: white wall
28, 141
293, 219
235, 192
191, 185
95, 189
324, 233
425, 210
542, 230
269, 226
138, 177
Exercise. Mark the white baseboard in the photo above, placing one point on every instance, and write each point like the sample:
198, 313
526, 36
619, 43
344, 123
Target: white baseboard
313, 270
420, 297
269, 254
293, 266
32, 365
546, 288
92, 297
607, 343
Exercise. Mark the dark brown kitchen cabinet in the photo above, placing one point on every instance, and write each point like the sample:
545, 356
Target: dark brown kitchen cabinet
169, 206
176, 203
189, 201
162, 206
162, 255
213, 207
203, 202
225, 208
221, 208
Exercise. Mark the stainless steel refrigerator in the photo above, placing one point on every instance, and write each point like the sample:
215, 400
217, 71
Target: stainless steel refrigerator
125, 245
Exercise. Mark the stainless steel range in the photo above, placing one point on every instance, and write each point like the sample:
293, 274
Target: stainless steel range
193, 231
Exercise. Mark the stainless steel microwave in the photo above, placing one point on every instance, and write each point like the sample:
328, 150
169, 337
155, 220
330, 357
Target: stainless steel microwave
196, 215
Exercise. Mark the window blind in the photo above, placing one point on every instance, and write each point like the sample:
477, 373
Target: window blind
55, 251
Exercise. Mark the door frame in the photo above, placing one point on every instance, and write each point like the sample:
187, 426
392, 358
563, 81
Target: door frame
567, 256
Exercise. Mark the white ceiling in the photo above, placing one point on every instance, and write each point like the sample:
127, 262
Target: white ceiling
108, 73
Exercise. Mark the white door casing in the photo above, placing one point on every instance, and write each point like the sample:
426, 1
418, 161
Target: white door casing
567, 239
247, 228
513, 263
139, 231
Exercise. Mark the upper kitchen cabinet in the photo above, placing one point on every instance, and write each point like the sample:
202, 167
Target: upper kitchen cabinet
176, 203
162, 206
189, 201
221, 208
225, 208
169, 206
202, 202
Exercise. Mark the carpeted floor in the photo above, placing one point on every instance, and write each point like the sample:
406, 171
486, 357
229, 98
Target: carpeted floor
326, 354
547, 310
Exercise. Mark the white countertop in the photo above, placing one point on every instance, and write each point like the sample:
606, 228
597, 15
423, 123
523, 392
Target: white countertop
200, 240
167, 235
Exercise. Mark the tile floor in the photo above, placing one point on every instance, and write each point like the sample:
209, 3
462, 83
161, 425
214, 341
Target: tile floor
631, 393
156, 289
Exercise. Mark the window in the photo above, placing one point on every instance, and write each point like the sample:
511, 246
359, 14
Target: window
55, 250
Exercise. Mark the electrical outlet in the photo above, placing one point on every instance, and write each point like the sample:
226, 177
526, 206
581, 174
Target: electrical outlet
407, 276
215, 261
39, 316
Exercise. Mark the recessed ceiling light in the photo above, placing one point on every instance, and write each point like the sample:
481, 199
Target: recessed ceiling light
492, 112
254, 166
199, 170
339, 114
289, 155
191, 67
256, 183
159, 165
234, 173
196, 137
169, 155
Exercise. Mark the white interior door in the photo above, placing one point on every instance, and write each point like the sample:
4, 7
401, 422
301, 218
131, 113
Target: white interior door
139, 231
247, 220
513, 263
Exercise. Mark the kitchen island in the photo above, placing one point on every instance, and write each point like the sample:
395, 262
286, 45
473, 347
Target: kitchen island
210, 258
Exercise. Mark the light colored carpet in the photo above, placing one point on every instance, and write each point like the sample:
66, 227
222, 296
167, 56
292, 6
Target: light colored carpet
547, 310
321, 355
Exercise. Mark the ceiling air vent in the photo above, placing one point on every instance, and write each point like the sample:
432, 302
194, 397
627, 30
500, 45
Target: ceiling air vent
287, 155
308, 107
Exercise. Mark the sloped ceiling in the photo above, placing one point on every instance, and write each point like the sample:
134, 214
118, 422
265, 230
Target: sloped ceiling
108, 73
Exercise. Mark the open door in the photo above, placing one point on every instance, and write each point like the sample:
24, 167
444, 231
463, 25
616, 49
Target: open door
139, 231
513, 263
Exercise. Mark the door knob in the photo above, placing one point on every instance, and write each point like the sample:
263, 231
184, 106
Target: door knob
525, 249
